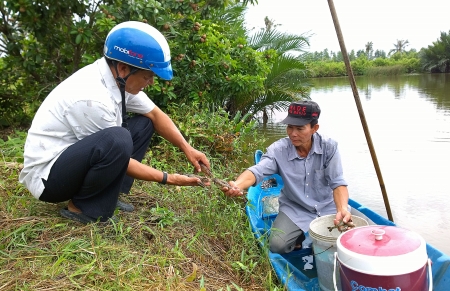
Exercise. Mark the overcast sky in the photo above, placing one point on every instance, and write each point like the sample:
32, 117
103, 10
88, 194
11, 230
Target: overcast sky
382, 22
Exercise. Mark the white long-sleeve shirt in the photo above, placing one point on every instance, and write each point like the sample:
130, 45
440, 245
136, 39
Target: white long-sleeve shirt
86, 102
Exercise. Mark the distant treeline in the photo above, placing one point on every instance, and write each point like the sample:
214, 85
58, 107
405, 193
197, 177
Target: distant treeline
433, 59
324, 64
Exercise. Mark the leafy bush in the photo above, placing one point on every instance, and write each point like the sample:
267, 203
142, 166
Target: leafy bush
12, 147
44, 44
399, 63
326, 69
360, 65
216, 132
381, 62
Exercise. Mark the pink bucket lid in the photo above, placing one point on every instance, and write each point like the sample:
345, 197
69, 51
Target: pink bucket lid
395, 241
382, 250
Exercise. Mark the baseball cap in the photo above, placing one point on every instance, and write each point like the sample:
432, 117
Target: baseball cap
302, 112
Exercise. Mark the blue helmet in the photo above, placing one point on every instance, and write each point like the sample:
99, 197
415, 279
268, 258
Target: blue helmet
139, 45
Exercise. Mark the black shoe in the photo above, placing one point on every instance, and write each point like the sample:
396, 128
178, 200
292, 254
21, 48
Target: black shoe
127, 207
80, 217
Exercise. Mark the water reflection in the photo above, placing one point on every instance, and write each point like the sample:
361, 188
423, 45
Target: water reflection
435, 87
409, 122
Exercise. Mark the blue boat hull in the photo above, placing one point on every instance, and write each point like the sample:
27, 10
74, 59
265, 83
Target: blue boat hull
297, 270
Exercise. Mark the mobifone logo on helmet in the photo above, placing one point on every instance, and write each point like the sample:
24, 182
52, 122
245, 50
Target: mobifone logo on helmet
139, 45
129, 52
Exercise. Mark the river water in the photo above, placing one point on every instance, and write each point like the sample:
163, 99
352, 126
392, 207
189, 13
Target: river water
409, 122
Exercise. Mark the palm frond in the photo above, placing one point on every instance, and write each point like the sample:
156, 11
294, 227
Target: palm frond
234, 18
281, 42
231, 14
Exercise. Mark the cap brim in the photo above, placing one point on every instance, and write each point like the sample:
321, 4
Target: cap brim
296, 121
164, 73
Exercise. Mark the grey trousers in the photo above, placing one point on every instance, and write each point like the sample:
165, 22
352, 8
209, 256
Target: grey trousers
284, 235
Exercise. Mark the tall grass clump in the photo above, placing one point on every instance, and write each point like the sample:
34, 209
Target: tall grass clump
386, 71
178, 238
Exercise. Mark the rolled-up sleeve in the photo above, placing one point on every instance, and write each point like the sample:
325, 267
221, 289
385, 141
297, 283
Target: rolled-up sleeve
140, 103
267, 165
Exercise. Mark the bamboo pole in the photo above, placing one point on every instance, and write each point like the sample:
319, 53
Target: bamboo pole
359, 106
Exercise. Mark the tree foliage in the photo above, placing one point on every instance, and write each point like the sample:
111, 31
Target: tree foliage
38, 50
286, 81
380, 54
45, 41
436, 57
369, 49
399, 46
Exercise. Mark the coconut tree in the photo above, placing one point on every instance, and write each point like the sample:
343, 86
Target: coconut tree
369, 49
436, 57
399, 46
285, 83
287, 80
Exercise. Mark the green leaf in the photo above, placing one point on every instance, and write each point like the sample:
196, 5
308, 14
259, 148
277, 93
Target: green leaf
78, 39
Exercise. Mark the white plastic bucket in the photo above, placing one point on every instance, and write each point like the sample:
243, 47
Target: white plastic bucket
324, 247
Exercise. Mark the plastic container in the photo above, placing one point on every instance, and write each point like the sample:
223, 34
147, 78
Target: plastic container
379, 257
324, 247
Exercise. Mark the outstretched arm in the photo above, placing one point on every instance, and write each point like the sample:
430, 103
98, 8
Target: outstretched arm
143, 172
245, 180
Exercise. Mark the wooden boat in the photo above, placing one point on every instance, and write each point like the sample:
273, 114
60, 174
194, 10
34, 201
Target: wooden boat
296, 270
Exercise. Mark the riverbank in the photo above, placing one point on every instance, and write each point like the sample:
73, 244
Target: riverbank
361, 66
178, 238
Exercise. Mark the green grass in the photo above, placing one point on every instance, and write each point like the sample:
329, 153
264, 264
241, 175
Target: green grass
386, 71
178, 238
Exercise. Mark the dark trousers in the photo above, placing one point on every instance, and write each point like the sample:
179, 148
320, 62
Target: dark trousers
92, 171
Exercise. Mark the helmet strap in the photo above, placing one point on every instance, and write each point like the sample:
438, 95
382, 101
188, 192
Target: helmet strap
122, 83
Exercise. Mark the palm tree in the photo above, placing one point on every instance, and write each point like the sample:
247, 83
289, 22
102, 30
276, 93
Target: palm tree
436, 58
287, 80
369, 49
399, 46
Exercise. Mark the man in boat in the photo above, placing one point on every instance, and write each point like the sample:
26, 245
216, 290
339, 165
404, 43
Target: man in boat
83, 148
310, 166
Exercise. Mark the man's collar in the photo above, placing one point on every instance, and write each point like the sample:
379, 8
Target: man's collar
316, 148
109, 80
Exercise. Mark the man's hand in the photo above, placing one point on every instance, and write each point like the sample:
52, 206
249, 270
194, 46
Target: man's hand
340, 196
344, 216
185, 180
232, 190
195, 157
